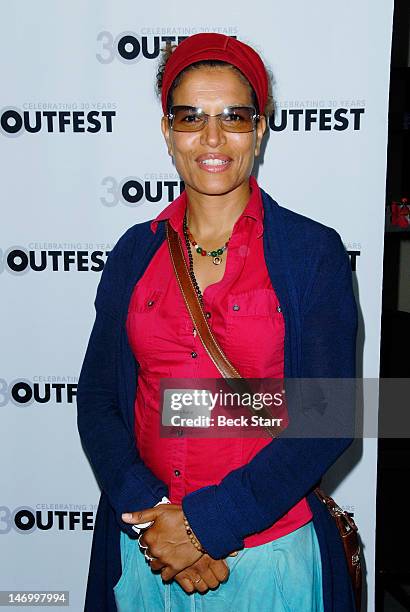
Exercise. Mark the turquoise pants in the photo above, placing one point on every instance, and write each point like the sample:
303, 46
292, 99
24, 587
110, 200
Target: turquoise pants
284, 575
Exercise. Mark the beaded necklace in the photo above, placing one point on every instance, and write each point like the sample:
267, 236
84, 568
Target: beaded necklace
214, 254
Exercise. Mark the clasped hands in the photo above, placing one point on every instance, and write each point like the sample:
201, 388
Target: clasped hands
172, 551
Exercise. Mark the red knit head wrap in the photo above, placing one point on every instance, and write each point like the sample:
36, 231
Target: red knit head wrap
214, 46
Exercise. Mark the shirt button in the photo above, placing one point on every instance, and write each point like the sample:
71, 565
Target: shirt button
208, 315
278, 308
235, 307
177, 473
193, 354
150, 303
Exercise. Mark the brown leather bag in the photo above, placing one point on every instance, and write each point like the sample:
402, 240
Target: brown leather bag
345, 524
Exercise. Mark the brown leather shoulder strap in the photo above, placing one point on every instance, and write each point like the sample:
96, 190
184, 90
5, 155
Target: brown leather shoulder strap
194, 307
225, 367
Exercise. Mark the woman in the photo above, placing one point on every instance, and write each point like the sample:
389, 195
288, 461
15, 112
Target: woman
243, 528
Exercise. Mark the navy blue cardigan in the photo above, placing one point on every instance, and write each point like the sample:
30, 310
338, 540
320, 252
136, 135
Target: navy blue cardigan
311, 274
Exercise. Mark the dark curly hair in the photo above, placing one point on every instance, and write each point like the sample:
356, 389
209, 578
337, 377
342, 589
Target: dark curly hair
166, 53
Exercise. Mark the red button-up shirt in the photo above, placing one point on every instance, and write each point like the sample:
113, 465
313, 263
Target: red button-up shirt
246, 319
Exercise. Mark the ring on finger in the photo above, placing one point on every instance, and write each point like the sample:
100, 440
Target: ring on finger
140, 544
198, 580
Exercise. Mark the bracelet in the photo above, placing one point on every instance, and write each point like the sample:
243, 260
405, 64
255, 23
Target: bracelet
193, 537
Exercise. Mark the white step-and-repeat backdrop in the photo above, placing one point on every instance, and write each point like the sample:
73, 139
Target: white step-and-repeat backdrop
83, 159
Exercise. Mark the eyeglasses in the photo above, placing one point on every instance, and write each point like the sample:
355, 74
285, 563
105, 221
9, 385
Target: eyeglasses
232, 118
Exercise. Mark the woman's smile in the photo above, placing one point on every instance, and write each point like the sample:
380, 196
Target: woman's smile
214, 162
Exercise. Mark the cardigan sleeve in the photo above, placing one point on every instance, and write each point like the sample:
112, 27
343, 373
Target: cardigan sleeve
251, 498
107, 441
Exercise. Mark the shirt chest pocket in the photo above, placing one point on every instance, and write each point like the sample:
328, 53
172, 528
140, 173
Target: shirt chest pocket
255, 333
142, 321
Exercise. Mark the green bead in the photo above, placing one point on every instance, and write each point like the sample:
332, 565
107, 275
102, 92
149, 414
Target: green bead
199, 250
220, 251
214, 253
